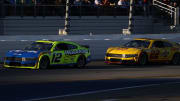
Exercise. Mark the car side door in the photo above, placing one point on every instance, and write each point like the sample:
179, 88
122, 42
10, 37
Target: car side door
156, 50
58, 54
167, 51
72, 53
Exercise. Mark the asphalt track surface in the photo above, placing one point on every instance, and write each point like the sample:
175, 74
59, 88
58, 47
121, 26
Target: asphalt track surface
89, 84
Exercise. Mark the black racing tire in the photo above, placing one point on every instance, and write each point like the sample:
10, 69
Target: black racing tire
81, 62
143, 59
176, 59
44, 63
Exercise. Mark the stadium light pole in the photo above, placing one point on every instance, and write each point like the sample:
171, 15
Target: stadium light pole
67, 24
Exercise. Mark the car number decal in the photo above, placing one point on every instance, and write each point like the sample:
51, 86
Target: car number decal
154, 54
56, 57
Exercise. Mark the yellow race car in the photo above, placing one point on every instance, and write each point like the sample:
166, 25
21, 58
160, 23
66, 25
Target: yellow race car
144, 50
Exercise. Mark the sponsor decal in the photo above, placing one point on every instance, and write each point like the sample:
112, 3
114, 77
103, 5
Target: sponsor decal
32, 51
72, 52
18, 51
17, 54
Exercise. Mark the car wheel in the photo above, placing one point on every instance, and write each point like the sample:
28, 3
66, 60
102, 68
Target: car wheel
143, 59
81, 62
44, 63
176, 59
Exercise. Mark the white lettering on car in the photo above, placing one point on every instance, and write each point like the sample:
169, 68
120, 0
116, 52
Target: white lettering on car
72, 52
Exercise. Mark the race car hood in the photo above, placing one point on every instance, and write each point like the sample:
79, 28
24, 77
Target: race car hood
123, 50
22, 53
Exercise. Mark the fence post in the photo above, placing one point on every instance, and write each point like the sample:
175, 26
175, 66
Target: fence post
176, 19
1, 17
130, 26
66, 29
131, 16
35, 4
67, 25
153, 2
2, 10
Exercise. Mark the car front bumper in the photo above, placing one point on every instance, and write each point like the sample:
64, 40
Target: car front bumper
9, 64
113, 60
28, 67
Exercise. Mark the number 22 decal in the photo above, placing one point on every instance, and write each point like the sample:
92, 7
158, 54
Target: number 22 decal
56, 57
154, 54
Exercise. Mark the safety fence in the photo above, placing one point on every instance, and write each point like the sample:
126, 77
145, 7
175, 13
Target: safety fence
50, 19
59, 10
172, 12
85, 25
85, 19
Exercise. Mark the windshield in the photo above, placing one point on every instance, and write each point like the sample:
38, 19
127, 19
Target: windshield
137, 44
39, 46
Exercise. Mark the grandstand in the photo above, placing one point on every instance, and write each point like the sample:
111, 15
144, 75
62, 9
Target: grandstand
88, 16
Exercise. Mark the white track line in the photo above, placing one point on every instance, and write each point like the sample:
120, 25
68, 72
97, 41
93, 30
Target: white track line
87, 39
98, 91
45, 39
67, 39
107, 39
23, 40
127, 38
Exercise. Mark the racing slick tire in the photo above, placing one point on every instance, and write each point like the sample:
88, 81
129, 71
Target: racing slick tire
143, 59
176, 59
81, 62
44, 63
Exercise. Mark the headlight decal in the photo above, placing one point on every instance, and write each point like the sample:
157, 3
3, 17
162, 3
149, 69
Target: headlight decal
114, 55
23, 59
29, 59
130, 55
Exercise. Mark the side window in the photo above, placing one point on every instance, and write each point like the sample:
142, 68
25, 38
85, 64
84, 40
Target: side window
167, 44
71, 46
61, 46
158, 44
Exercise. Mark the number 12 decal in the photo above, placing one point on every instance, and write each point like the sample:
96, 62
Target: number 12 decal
56, 57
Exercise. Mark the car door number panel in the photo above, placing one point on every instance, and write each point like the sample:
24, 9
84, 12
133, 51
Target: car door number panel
56, 57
